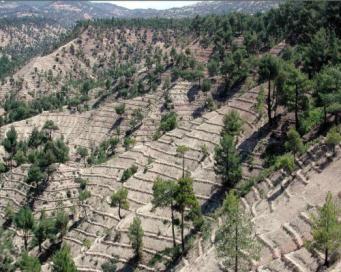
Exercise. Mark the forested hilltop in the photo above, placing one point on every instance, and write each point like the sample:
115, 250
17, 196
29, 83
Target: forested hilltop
206, 143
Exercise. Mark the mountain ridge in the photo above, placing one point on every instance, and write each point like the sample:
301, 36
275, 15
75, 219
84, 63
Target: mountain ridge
68, 12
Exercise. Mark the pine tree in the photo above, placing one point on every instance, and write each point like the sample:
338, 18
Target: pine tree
43, 230
227, 161
333, 138
185, 198
61, 222
109, 266
294, 142
328, 88
326, 229
62, 261
135, 234
268, 70
82, 197
50, 126
29, 264
236, 239
232, 124
83, 153
181, 150
293, 86
120, 199
164, 192
24, 220
10, 142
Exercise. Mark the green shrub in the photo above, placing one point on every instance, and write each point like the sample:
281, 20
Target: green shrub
286, 161
127, 173
168, 122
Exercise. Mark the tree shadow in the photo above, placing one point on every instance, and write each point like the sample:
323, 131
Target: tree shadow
192, 93
131, 265
48, 253
117, 123
198, 112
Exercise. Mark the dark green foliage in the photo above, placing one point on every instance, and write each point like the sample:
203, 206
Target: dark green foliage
227, 161
105, 150
120, 109
185, 198
164, 192
29, 264
328, 90
10, 142
109, 266
61, 223
294, 142
6, 250
127, 173
168, 122
326, 228
286, 161
232, 124
44, 229
135, 234
82, 152
62, 261
268, 70
24, 220
119, 199
5, 65
18, 110
206, 85
236, 241
37, 138
34, 174
213, 68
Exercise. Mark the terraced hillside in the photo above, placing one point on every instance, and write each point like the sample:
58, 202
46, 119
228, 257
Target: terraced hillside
280, 207
154, 159
121, 148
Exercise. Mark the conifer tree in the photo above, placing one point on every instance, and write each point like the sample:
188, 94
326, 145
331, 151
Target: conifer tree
24, 220
232, 124
236, 239
227, 161
185, 198
326, 229
294, 142
120, 199
333, 138
29, 264
62, 261
268, 70
164, 192
135, 234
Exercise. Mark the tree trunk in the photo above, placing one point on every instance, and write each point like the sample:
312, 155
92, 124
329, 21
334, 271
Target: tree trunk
182, 232
236, 248
326, 261
25, 240
296, 108
39, 245
325, 114
173, 230
119, 211
269, 103
183, 165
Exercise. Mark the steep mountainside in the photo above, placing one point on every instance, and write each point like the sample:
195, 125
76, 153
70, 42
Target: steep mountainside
68, 12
